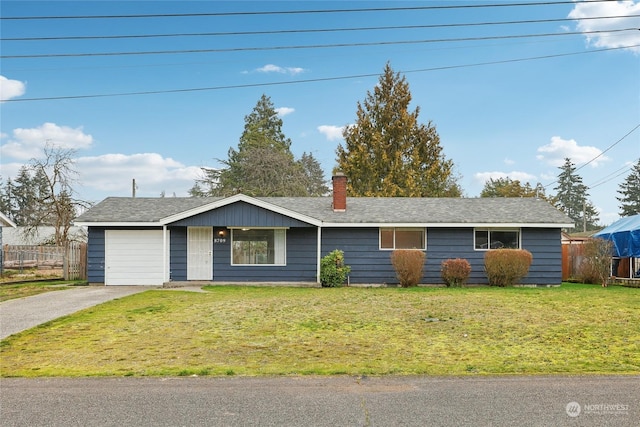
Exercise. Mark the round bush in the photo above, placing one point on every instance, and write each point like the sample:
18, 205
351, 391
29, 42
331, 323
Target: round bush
505, 267
455, 272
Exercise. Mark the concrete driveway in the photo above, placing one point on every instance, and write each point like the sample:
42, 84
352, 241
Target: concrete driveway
19, 314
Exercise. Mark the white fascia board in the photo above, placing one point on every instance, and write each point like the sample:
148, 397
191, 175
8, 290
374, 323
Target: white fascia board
241, 198
117, 224
6, 222
445, 225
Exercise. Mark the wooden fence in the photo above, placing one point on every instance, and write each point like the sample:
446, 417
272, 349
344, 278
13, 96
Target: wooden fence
70, 261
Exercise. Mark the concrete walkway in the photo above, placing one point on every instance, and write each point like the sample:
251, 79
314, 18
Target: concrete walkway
19, 314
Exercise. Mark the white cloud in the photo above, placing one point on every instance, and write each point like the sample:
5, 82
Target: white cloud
508, 161
11, 88
611, 8
271, 68
283, 111
26, 144
331, 132
113, 174
523, 177
560, 149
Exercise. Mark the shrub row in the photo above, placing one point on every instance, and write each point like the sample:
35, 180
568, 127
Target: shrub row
503, 267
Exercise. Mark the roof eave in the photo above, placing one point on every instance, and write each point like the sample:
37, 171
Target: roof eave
116, 224
448, 224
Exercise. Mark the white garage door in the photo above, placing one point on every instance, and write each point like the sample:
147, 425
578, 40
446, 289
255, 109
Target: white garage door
134, 257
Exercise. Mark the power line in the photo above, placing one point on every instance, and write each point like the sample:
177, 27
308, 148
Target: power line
317, 80
313, 30
317, 46
610, 147
296, 12
618, 173
596, 157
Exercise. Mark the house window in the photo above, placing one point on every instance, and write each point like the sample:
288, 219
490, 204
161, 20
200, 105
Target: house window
402, 238
258, 247
494, 238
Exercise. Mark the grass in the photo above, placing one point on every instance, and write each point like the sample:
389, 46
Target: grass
29, 274
574, 329
21, 290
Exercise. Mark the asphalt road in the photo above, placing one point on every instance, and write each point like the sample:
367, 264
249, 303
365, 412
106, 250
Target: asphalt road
312, 401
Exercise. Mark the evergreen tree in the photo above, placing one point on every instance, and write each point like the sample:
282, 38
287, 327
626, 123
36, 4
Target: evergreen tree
506, 187
315, 182
629, 191
6, 199
388, 153
24, 195
263, 164
571, 198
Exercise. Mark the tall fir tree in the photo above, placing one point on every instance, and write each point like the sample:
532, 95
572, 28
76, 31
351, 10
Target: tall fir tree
572, 198
629, 191
387, 152
25, 197
7, 204
262, 165
315, 182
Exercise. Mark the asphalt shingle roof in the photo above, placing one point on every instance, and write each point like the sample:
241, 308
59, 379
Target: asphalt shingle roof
360, 210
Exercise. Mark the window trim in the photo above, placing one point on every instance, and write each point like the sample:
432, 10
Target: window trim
422, 229
489, 230
274, 229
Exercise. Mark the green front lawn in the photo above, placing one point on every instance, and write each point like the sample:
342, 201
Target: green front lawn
573, 329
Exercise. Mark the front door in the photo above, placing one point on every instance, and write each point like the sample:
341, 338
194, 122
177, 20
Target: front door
199, 253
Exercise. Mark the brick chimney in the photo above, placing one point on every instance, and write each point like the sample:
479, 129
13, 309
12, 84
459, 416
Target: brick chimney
339, 192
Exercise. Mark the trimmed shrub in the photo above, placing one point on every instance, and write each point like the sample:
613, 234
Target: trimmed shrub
506, 267
333, 272
455, 272
408, 264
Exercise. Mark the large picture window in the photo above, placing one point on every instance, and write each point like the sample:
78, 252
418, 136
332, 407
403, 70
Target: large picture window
402, 238
258, 247
488, 238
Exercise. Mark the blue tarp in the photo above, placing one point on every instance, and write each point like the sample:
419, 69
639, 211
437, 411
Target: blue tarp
625, 235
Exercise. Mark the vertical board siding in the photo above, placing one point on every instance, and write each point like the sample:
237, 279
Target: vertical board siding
240, 214
300, 265
95, 255
178, 253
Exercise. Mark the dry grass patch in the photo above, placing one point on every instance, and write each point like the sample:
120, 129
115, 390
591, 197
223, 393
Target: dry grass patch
12, 291
287, 331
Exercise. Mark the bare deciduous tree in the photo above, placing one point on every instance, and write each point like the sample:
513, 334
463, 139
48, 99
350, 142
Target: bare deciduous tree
58, 206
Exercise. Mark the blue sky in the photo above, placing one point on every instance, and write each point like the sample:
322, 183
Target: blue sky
503, 104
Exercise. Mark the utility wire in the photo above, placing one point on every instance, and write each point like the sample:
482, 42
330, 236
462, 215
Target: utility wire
326, 79
313, 30
296, 12
608, 178
599, 155
317, 46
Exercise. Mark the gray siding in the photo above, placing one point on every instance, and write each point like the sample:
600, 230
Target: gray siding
240, 214
95, 255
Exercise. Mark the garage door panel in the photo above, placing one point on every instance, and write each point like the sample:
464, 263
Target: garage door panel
135, 257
